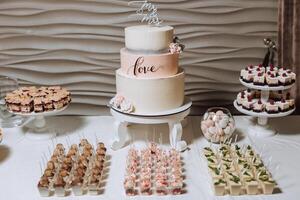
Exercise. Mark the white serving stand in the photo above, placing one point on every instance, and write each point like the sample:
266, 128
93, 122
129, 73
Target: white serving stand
262, 129
173, 118
37, 127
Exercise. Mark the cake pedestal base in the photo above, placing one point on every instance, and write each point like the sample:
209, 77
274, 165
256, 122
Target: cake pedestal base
262, 128
37, 127
173, 120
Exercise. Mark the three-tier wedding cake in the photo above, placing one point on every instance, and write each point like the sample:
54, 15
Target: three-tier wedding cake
149, 80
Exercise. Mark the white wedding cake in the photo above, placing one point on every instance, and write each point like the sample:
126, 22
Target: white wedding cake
149, 80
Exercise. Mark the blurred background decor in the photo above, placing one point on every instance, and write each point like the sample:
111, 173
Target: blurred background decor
289, 39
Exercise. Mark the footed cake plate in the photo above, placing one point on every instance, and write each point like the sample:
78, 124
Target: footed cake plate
37, 127
185, 106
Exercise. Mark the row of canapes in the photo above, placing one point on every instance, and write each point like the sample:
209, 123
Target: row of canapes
237, 171
153, 170
79, 171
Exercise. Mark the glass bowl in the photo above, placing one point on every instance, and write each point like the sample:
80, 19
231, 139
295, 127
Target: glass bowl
217, 124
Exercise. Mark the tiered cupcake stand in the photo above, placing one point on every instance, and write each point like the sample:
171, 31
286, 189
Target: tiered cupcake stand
262, 128
174, 118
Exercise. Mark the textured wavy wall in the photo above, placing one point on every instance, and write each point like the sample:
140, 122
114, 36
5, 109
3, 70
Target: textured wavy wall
76, 44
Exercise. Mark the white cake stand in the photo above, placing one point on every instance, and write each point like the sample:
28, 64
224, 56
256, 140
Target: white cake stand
262, 129
37, 127
173, 117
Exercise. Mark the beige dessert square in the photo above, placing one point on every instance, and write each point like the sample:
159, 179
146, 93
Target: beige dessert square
219, 186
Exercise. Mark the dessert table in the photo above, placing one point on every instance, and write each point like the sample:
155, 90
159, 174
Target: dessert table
20, 156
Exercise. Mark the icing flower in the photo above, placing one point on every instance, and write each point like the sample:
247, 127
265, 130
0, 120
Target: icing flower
175, 48
116, 101
121, 103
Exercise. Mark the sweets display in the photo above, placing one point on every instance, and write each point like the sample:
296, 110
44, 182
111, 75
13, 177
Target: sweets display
237, 171
217, 124
149, 80
153, 170
279, 101
32, 99
271, 75
80, 170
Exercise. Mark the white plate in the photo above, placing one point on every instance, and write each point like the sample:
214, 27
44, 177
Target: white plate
261, 114
46, 113
186, 105
265, 87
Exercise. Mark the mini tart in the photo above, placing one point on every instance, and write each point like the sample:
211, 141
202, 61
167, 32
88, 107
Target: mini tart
272, 68
271, 107
248, 104
272, 80
243, 73
248, 77
292, 75
283, 105
284, 79
241, 98
258, 106
259, 79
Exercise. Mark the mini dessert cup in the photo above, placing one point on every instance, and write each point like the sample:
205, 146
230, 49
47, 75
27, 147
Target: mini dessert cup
234, 187
251, 186
267, 186
161, 187
217, 124
176, 187
78, 189
60, 191
219, 186
129, 185
145, 187
94, 188
44, 187
234, 183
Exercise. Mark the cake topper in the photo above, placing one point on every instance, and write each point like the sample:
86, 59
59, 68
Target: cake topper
148, 11
272, 49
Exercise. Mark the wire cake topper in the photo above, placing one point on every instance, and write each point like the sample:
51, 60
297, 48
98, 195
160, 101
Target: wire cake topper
147, 11
272, 49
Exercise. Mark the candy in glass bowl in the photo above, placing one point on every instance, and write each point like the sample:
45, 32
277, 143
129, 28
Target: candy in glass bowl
217, 124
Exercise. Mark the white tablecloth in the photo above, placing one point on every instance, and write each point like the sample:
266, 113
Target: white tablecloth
20, 157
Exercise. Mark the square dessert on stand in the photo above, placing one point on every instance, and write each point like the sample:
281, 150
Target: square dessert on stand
272, 107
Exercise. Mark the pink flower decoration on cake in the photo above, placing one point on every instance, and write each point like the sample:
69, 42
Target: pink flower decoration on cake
175, 48
121, 103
